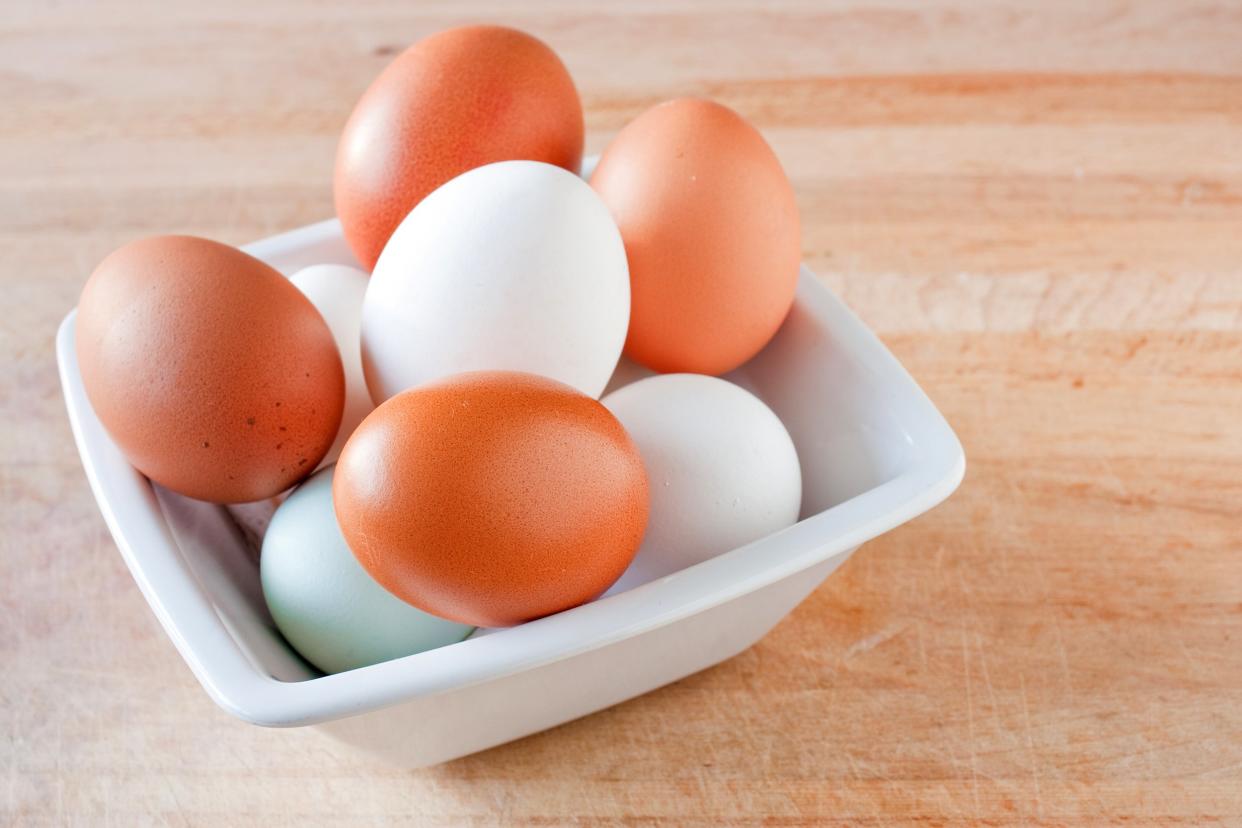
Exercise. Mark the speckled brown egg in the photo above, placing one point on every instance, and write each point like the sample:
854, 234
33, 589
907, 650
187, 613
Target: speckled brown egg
711, 232
213, 374
454, 101
492, 497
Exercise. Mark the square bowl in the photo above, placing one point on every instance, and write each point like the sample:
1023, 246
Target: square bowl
874, 452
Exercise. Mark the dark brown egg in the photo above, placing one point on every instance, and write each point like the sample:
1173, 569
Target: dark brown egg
492, 498
454, 101
213, 374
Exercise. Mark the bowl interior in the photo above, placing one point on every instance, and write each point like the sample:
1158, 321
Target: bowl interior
857, 420
850, 439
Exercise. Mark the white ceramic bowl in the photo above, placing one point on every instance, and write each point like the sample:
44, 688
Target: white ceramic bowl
874, 450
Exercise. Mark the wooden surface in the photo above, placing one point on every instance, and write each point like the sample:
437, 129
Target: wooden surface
1038, 206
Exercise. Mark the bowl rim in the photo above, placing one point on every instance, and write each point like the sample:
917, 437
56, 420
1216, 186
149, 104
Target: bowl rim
188, 615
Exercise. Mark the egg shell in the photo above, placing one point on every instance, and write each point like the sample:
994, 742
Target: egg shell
722, 468
711, 231
324, 602
213, 374
513, 266
337, 291
492, 498
456, 100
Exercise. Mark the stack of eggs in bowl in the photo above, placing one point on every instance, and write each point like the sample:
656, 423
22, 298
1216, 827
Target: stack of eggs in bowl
434, 429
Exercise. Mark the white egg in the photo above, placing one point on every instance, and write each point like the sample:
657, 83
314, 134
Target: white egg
721, 467
516, 265
337, 291
324, 602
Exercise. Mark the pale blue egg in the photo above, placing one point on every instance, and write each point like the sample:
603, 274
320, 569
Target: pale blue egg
325, 603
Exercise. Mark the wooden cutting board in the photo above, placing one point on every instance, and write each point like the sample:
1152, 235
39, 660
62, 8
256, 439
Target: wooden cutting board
1038, 207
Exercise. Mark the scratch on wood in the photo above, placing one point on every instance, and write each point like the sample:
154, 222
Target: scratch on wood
872, 641
987, 676
1189, 656
1030, 747
970, 724
922, 646
1056, 629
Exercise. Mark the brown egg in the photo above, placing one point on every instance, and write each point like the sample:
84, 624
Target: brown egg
454, 101
492, 497
711, 232
214, 375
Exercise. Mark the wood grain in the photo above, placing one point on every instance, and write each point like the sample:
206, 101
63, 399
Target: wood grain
1038, 206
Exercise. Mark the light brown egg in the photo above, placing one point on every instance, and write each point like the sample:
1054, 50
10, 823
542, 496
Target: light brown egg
213, 374
710, 225
492, 497
454, 101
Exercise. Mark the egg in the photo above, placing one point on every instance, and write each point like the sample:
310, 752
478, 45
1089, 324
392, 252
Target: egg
459, 99
711, 230
722, 469
324, 602
512, 266
336, 291
211, 372
492, 498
